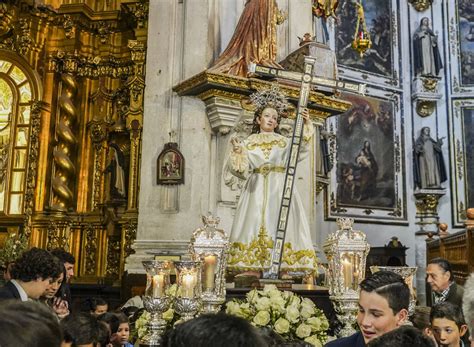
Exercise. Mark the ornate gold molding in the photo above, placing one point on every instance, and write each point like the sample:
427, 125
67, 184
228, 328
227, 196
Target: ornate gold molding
35, 123
421, 5
425, 108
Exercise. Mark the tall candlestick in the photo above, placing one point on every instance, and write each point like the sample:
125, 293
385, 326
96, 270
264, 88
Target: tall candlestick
348, 273
158, 285
187, 285
210, 262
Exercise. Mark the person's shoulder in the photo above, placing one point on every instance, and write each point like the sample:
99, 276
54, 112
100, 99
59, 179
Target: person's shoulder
355, 340
9, 291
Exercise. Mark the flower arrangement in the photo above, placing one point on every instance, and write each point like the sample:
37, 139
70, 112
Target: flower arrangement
289, 315
14, 246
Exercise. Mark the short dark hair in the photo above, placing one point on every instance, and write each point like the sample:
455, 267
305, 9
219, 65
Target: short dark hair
80, 329
36, 263
404, 336
112, 321
90, 304
28, 324
64, 256
443, 264
391, 286
449, 311
214, 330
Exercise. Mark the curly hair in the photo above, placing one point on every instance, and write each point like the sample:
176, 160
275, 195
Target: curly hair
64, 256
35, 264
258, 114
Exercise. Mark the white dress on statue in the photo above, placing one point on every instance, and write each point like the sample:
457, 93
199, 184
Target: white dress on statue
262, 161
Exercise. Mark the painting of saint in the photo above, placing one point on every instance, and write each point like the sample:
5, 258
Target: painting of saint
379, 58
466, 40
365, 151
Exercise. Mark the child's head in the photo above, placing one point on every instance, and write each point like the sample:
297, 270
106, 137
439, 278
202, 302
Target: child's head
447, 323
123, 331
95, 306
383, 304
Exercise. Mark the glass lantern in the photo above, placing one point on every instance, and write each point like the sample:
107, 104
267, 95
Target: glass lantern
156, 299
188, 295
210, 245
346, 251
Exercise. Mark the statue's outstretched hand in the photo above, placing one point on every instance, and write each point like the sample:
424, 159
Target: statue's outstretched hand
236, 144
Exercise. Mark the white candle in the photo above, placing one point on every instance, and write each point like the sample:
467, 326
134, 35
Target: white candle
210, 262
347, 272
158, 285
187, 285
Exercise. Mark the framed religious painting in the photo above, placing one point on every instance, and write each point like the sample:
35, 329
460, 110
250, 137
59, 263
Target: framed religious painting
462, 158
461, 46
170, 165
367, 181
380, 63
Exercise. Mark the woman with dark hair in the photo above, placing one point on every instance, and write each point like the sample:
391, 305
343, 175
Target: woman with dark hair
54, 296
261, 159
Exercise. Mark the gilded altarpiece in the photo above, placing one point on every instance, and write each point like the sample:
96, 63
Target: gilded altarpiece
71, 111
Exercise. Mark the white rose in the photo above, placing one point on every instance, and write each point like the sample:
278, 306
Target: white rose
287, 294
307, 311
324, 324
233, 308
303, 331
268, 288
295, 300
252, 296
262, 318
274, 293
307, 302
278, 304
313, 339
292, 314
315, 323
262, 303
282, 326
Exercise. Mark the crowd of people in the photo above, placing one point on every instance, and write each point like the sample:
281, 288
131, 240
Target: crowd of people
36, 311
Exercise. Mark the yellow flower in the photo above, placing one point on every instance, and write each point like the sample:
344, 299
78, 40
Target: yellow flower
262, 303
315, 323
168, 315
313, 339
292, 314
303, 331
282, 326
262, 318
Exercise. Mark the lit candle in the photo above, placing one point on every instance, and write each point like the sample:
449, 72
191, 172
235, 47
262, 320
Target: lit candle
187, 285
347, 272
158, 285
210, 262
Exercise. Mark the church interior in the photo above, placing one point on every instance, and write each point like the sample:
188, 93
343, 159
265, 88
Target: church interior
123, 123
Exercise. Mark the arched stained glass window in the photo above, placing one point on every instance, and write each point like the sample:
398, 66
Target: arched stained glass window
15, 108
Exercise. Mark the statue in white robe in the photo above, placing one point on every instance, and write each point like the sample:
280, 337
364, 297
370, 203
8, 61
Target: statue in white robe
261, 159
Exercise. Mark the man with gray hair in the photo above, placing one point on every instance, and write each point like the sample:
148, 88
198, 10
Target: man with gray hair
468, 306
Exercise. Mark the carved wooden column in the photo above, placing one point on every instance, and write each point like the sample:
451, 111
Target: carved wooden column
134, 116
64, 167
